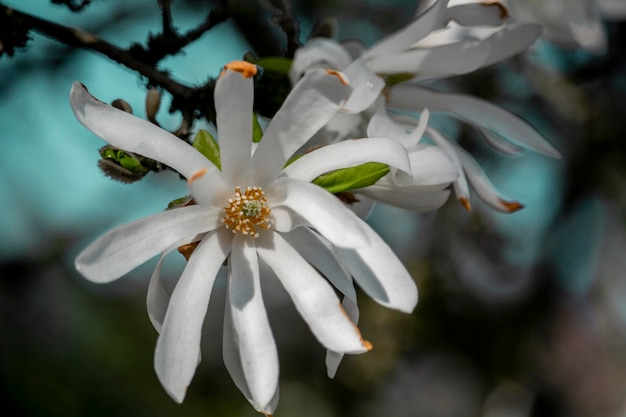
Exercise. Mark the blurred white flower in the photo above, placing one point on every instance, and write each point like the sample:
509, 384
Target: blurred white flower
444, 40
569, 24
249, 212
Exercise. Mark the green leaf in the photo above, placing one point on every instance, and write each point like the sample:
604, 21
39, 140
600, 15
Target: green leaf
347, 179
179, 202
275, 63
257, 131
131, 164
208, 146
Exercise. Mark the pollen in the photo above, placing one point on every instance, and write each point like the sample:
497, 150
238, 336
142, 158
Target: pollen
245, 68
339, 75
247, 212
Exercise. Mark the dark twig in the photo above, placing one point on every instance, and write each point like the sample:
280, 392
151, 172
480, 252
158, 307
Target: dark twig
166, 15
73, 5
192, 102
170, 42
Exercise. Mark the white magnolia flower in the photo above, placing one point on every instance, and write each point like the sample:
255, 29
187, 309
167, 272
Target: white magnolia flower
568, 23
416, 53
248, 212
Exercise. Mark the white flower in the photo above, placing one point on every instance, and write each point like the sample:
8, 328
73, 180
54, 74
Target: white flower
247, 212
568, 23
394, 66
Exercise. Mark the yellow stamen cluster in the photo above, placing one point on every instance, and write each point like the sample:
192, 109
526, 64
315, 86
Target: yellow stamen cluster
245, 212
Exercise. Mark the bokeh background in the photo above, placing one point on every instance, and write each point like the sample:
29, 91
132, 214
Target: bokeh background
519, 315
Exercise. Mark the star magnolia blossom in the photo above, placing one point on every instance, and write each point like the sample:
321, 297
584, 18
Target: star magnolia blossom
567, 23
415, 53
247, 212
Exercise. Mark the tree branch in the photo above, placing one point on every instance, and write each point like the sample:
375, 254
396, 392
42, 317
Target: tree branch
192, 102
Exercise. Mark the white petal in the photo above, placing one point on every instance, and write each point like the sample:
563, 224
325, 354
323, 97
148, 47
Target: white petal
483, 187
461, 187
366, 87
208, 187
435, 62
348, 154
322, 256
333, 359
318, 53
128, 246
475, 111
312, 295
414, 199
479, 14
252, 337
612, 9
431, 19
430, 165
511, 40
382, 125
157, 298
379, 272
178, 346
233, 362
497, 143
309, 106
295, 203
233, 104
130, 133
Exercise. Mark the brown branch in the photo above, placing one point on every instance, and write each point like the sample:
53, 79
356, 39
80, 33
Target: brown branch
169, 42
190, 101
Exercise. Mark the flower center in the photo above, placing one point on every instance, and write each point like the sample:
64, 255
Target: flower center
247, 211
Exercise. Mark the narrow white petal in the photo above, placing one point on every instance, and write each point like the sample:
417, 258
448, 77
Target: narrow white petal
510, 40
347, 154
209, 188
407, 130
251, 334
233, 104
474, 111
232, 360
311, 104
430, 165
178, 346
409, 198
318, 53
312, 295
612, 9
130, 133
157, 298
319, 253
433, 18
333, 359
435, 62
497, 143
128, 246
479, 14
379, 272
310, 205
366, 87
460, 186
483, 186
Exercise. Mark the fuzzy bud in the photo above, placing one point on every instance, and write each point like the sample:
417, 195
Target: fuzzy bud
153, 103
122, 105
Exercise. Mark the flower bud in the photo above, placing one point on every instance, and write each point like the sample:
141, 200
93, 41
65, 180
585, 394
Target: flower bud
326, 27
153, 103
118, 103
